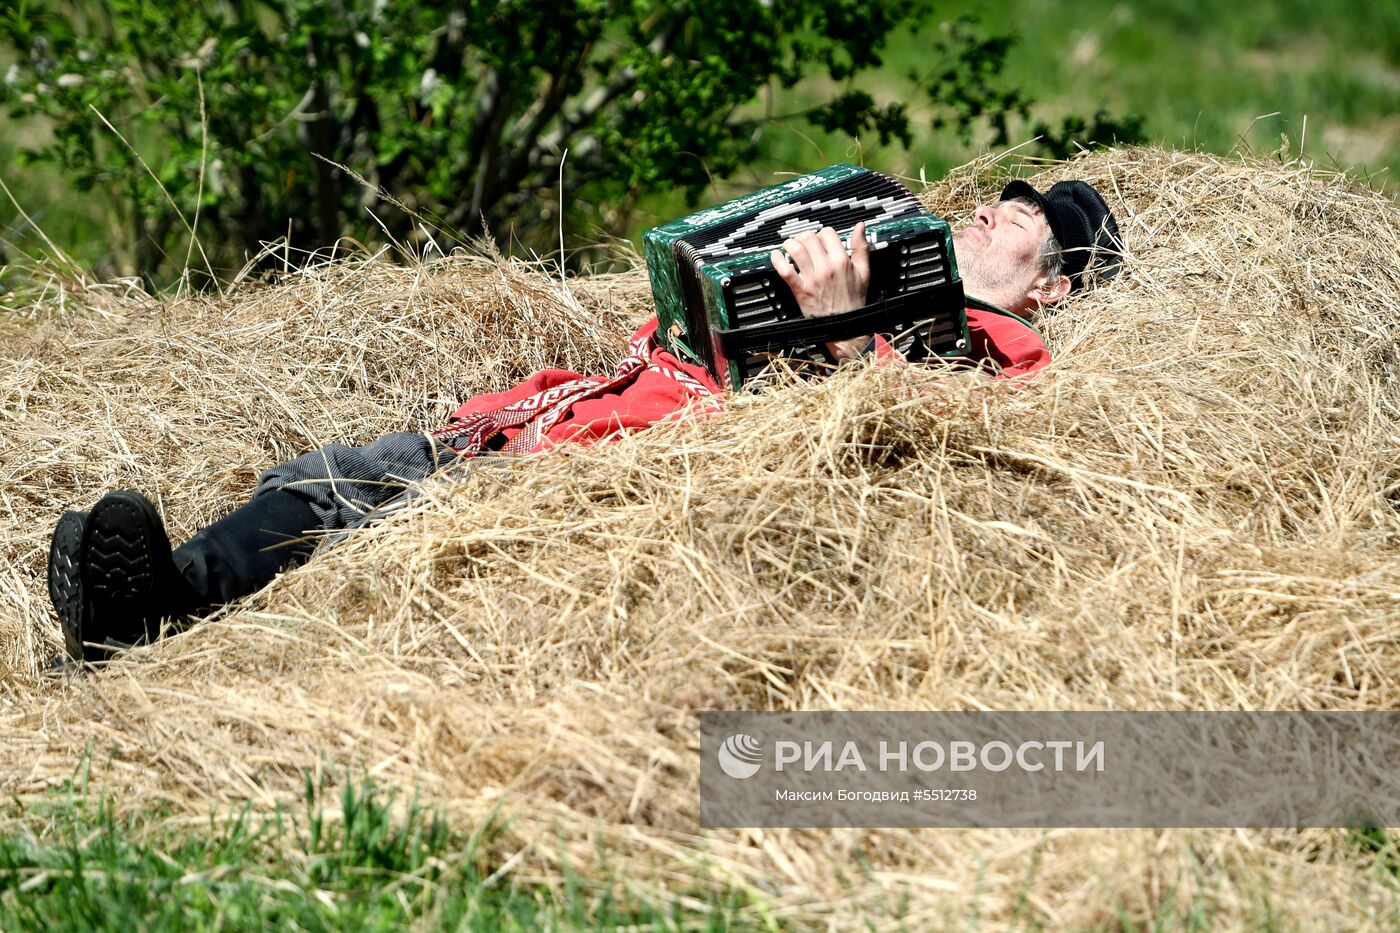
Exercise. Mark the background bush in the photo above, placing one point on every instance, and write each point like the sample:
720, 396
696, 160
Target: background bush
257, 116
656, 104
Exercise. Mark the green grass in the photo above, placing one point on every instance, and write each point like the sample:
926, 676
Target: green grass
378, 866
87, 868
1200, 75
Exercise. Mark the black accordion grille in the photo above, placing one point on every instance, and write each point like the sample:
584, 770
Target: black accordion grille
694, 298
760, 297
899, 268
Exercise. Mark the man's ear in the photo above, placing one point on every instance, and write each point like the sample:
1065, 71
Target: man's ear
1048, 291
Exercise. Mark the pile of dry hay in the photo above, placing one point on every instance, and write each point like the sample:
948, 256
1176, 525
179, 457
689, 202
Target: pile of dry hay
1195, 508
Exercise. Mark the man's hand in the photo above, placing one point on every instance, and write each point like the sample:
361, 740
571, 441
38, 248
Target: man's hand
825, 280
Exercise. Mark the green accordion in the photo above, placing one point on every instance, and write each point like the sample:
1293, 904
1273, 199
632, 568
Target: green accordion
721, 303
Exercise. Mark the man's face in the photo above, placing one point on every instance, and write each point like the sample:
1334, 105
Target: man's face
999, 253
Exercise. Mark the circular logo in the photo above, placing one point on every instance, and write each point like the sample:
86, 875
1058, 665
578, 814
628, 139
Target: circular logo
740, 756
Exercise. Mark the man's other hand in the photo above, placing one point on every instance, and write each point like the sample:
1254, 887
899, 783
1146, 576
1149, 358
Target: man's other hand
826, 280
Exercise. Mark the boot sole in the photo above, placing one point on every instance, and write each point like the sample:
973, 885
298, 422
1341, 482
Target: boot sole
66, 583
122, 536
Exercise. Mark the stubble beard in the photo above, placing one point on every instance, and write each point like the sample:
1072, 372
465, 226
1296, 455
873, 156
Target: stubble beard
985, 278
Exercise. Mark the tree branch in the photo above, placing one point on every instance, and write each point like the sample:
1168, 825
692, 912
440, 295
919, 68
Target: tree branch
324, 134
485, 190
621, 82
559, 90
485, 111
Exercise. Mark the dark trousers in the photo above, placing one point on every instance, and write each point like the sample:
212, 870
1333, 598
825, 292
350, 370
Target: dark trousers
346, 485
328, 490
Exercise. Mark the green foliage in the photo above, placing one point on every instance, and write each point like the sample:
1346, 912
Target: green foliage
970, 64
1220, 77
1074, 133
462, 110
365, 870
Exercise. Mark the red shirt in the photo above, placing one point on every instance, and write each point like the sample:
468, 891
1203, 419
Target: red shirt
667, 385
655, 394
1013, 346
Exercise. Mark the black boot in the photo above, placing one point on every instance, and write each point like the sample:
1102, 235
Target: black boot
113, 578
66, 580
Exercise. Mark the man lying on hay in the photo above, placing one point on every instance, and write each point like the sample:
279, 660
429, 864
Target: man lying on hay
113, 577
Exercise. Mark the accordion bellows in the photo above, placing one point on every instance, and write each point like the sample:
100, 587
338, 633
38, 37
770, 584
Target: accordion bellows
721, 303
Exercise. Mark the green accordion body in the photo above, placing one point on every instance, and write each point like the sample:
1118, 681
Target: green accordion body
721, 303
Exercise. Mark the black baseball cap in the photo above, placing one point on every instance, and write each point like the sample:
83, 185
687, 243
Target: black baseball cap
1083, 224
